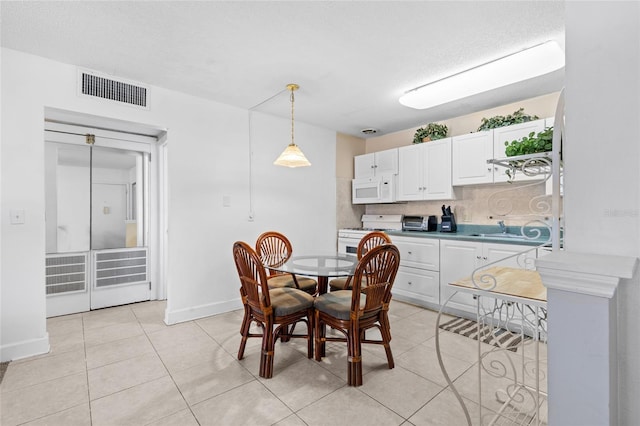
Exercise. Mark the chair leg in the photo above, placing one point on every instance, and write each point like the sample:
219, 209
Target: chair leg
244, 331
310, 334
266, 357
385, 331
354, 356
320, 330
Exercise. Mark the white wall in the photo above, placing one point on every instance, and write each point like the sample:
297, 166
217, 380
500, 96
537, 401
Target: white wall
208, 158
602, 159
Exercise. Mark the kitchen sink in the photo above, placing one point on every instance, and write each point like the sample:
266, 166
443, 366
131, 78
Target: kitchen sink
500, 235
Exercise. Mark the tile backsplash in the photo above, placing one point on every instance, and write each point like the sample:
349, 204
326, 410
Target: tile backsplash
480, 204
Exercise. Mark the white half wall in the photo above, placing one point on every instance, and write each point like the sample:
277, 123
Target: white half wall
208, 162
602, 163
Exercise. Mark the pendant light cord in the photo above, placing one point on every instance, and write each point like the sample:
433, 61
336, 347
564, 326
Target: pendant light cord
292, 101
249, 113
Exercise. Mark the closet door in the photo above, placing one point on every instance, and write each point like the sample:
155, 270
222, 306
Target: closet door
119, 255
68, 227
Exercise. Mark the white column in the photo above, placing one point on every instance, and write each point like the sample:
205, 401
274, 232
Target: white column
582, 325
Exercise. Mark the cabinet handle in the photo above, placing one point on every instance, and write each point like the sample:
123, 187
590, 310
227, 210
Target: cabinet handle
488, 169
478, 257
409, 252
409, 283
484, 258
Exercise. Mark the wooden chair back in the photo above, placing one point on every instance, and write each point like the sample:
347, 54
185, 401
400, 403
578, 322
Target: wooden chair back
374, 277
371, 240
253, 278
275, 247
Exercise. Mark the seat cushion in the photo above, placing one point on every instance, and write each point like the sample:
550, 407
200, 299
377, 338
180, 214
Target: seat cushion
337, 303
286, 301
306, 284
340, 283
280, 281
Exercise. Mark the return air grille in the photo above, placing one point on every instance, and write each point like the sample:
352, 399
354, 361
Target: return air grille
101, 87
120, 267
66, 274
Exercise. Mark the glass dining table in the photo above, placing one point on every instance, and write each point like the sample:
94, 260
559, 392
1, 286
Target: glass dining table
320, 265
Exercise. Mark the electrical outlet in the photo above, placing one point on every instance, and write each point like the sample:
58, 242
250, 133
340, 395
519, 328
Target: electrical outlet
17, 217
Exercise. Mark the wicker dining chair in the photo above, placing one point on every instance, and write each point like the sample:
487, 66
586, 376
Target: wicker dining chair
273, 310
275, 249
354, 311
369, 241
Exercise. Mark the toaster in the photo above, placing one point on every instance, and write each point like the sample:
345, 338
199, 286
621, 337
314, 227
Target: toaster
420, 223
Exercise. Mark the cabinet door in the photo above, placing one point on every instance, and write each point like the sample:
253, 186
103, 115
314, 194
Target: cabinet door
423, 253
508, 134
410, 160
363, 166
469, 158
493, 252
413, 284
437, 170
458, 259
386, 162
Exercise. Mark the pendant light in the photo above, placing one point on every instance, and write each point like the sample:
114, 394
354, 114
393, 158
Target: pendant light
292, 156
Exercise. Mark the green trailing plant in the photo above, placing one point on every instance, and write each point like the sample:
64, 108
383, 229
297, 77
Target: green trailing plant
530, 144
500, 121
432, 131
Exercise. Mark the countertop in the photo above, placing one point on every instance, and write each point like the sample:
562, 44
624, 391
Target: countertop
531, 236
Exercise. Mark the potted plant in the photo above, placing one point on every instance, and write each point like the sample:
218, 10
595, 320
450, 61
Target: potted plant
530, 144
500, 121
430, 132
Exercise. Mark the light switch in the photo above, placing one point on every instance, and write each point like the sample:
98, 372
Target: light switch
17, 217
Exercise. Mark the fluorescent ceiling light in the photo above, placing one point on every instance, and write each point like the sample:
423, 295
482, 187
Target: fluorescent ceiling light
538, 60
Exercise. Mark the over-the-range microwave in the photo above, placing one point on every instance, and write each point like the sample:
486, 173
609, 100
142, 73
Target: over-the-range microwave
377, 189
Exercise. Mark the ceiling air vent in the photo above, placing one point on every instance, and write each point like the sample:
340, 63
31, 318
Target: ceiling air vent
103, 87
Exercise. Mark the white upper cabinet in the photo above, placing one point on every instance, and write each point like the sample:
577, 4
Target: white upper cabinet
471, 152
425, 171
376, 164
470, 155
508, 134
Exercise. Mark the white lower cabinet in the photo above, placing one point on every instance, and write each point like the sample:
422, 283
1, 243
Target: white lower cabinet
418, 279
417, 285
458, 259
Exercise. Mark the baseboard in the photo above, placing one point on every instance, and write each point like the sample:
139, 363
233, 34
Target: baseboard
24, 349
201, 311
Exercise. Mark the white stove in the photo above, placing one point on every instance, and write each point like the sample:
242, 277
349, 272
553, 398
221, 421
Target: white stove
349, 238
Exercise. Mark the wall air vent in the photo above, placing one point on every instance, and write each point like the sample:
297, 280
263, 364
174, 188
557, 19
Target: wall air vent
92, 84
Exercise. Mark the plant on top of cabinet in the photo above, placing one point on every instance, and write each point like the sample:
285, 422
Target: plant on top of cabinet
430, 132
500, 121
531, 144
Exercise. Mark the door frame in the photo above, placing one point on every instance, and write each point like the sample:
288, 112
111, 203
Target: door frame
156, 204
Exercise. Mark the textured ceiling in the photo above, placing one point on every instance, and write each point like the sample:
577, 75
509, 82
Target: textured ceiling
352, 59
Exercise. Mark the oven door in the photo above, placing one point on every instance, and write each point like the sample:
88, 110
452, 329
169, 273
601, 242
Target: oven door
348, 245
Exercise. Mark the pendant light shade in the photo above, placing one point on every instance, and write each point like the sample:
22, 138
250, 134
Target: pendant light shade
292, 156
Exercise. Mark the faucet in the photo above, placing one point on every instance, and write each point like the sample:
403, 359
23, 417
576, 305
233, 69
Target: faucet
502, 226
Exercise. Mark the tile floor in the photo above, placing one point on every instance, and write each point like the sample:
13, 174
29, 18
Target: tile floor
124, 366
